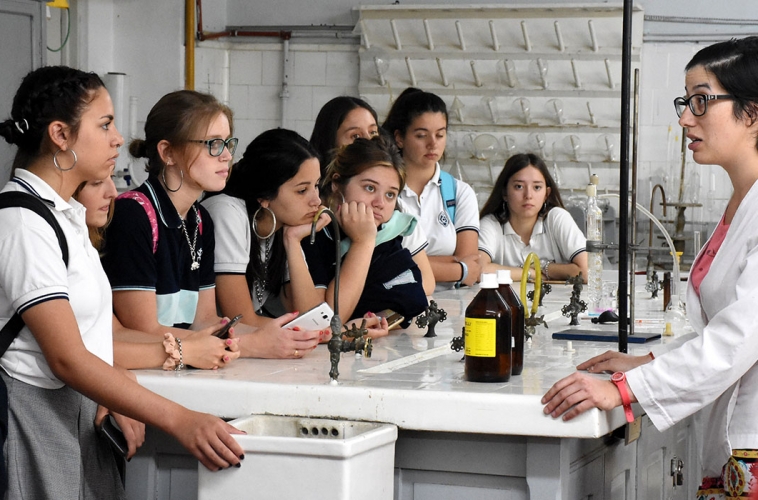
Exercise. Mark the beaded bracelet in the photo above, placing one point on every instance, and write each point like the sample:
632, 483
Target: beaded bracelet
173, 346
545, 267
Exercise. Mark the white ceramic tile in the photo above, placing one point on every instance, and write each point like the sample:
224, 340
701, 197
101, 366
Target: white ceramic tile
257, 127
246, 67
302, 127
245, 131
341, 68
309, 68
300, 103
272, 64
264, 103
238, 101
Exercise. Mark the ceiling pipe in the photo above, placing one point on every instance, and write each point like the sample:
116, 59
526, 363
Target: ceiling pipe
208, 35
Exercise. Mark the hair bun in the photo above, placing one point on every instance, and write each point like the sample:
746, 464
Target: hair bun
138, 148
9, 132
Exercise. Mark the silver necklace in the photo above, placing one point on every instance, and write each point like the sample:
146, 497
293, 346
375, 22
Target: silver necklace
260, 285
192, 244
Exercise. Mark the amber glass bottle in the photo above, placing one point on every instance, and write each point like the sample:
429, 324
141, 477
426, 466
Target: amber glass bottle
488, 335
517, 319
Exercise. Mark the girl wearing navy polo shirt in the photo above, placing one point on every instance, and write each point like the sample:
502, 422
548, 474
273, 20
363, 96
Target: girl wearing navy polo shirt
133, 349
340, 122
377, 273
159, 247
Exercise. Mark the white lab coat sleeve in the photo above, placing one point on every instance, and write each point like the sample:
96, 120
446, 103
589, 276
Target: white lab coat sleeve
685, 380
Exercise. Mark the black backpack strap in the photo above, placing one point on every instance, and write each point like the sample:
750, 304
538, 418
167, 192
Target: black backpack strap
36, 205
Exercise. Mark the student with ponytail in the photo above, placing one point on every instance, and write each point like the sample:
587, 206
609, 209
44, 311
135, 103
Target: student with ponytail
59, 367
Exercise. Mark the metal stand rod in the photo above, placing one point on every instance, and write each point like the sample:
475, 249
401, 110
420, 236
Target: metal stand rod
635, 136
626, 66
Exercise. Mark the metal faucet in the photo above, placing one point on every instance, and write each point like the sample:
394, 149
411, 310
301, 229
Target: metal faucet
650, 270
337, 345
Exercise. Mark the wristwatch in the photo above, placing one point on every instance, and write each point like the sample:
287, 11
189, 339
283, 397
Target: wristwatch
619, 379
464, 274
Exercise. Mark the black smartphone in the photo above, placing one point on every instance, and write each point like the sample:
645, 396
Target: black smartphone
109, 429
223, 332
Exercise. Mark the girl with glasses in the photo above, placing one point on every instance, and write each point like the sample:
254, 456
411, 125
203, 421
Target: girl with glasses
717, 364
59, 366
137, 350
159, 247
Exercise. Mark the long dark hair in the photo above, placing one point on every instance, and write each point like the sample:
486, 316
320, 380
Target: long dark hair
408, 106
329, 120
495, 204
48, 94
735, 64
270, 160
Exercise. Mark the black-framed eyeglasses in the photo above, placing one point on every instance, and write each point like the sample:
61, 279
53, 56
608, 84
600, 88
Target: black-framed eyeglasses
698, 103
216, 146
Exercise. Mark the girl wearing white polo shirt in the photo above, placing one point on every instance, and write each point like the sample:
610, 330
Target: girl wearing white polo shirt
525, 214
264, 211
449, 216
62, 123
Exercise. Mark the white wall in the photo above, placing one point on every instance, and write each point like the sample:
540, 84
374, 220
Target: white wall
145, 40
316, 74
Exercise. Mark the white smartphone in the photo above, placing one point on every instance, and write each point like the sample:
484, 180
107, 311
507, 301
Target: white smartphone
317, 318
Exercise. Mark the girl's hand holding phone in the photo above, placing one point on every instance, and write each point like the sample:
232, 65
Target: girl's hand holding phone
203, 349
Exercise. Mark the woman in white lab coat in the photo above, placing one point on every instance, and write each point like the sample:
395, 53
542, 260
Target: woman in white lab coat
717, 363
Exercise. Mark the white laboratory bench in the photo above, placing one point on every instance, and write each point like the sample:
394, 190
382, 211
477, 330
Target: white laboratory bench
457, 439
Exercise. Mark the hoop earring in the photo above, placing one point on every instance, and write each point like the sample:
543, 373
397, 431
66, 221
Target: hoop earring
58, 166
255, 223
181, 180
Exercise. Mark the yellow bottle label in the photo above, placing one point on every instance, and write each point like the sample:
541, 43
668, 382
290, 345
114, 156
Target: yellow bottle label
480, 337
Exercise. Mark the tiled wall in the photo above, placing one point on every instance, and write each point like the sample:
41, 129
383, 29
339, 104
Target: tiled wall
249, 77
316, 73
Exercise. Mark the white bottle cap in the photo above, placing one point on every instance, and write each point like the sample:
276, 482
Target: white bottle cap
504, 277
591, 190
489, 280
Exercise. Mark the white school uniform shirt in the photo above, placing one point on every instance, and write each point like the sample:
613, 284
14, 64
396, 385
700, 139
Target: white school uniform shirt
32, 271
430, 211
417, 240
233, 235
719, 360
556, 238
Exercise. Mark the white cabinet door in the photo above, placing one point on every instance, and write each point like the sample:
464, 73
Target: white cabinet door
656, 453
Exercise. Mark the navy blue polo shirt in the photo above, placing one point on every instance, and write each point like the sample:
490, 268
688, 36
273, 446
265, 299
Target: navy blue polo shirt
393, 280
130, 263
